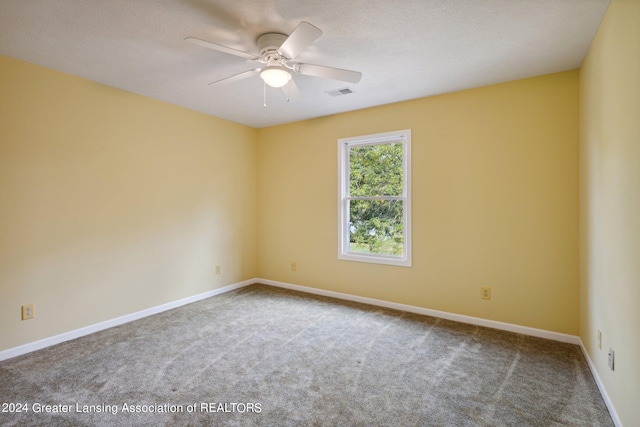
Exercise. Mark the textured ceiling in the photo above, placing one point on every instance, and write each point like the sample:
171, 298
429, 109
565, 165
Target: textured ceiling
405, 49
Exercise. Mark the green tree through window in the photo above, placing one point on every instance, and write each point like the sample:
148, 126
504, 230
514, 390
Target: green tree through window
375, 220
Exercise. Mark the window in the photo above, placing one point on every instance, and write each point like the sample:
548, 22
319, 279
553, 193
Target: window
375, 204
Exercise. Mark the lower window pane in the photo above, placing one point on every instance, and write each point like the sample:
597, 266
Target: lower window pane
375, 227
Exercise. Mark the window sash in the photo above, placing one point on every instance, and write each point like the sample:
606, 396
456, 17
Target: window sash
374, 198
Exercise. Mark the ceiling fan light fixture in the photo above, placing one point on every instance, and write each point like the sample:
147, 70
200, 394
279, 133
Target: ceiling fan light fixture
275, 75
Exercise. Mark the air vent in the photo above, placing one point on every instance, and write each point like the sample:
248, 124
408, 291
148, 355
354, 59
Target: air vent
340, 92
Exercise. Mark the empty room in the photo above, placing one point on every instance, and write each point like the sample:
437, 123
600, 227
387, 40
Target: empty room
290, 212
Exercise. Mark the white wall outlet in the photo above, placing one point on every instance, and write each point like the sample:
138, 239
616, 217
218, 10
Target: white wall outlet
599, 335
485, 293
294, 266
218, 269
28, 312
611, 361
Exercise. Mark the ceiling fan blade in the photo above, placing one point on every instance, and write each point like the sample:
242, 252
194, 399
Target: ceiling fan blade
221, 48
291, 90
328, 72
236, 77
302, 36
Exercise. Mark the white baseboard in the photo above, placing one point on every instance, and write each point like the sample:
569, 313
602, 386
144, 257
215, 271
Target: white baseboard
525, 330
77, 333
66, 336
603, 391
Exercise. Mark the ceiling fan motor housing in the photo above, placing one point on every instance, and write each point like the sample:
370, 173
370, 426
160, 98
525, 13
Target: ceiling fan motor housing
268, 45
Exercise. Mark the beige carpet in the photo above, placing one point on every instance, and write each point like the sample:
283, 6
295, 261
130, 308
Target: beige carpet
273, 357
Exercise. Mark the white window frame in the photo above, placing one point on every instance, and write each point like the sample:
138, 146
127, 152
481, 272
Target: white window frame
403, 136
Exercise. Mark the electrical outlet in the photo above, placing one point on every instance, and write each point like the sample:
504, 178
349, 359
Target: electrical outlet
28, 312
294, 266
485, 293
217, 269
599, 334
611, 361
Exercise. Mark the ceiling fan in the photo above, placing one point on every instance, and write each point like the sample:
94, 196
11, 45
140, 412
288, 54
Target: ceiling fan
277, 51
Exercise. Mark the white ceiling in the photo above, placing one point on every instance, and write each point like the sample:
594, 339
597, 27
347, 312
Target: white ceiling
405, 49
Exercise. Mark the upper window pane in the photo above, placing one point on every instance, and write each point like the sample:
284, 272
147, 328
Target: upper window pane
376, 170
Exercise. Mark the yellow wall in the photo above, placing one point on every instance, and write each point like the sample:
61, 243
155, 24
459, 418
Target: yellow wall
495, 203
111, 203
610, 204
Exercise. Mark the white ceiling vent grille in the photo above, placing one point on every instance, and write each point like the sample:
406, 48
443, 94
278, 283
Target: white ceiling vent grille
340, 92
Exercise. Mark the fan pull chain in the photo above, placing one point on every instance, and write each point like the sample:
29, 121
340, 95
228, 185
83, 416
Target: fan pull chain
265, 94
